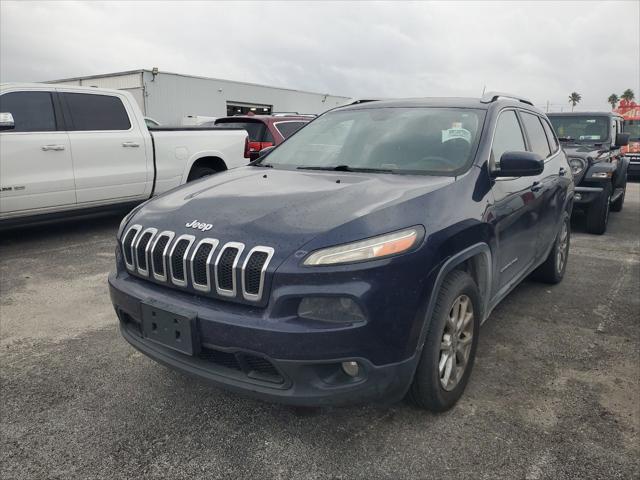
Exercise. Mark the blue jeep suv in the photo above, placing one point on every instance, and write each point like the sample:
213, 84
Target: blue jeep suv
357, 260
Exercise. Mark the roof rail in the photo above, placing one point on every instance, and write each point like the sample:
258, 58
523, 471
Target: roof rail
489, 97
362, 100
292, 114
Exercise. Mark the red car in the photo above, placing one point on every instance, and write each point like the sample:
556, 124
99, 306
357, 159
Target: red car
266, 130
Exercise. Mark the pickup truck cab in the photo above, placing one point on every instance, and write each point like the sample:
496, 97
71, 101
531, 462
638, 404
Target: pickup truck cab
355, 261
592, 141
72, 150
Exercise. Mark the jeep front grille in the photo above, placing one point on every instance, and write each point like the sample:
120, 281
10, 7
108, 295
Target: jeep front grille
205, 265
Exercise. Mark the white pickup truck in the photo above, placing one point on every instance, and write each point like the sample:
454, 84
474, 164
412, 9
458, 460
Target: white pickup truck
68, 150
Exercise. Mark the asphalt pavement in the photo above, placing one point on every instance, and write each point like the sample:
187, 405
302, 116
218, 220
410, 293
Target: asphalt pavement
555, 392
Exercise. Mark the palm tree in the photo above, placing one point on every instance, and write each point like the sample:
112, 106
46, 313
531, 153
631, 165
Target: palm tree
628, 95
613, 100
574, 99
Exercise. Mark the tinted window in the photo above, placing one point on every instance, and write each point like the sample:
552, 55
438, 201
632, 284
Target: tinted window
507, 137
535, 132
254, 129
96, 112
553, 141
401, 140
32, 111
287, 129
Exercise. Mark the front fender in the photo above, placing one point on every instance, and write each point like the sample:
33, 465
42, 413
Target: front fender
600, 172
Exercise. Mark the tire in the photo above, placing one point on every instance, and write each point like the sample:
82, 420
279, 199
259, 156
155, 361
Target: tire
553, 268
199, 172
427, 389
598, 212
617, 205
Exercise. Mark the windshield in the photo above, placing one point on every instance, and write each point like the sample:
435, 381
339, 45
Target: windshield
585, 128
438, 141
632, 127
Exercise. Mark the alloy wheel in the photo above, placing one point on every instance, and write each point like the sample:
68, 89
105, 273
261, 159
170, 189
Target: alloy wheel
455, 345
563, 247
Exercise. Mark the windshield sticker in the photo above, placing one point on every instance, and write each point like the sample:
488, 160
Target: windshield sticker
456, 131
589, 137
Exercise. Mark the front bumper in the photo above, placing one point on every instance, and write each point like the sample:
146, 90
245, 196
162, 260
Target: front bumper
585, 195
265, 361
633, 170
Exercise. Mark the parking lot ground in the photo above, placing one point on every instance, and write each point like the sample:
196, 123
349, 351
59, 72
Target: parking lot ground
555, 391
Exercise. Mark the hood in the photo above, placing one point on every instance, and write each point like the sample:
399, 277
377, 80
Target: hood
586, 151
283, 209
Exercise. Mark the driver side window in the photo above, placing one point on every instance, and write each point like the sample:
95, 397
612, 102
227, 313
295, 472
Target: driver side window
507, 137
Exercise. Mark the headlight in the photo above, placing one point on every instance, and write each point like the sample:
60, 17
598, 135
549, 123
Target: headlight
369, 249
577, 165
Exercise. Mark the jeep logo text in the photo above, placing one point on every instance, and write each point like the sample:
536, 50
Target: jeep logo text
199, 226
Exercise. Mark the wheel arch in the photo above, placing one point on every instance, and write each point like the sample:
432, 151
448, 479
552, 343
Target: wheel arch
475, 260
202, 160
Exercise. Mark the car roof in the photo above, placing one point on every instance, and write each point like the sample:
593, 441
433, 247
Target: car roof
442, 102
265, 118
581, 114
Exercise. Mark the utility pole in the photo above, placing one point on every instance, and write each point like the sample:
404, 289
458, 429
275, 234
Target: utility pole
547, 106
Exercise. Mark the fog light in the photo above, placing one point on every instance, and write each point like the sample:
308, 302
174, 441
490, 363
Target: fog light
330, 309
351, 368
578, 197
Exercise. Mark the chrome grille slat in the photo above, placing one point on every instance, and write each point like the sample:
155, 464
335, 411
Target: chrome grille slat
250, 271
142, 250
202, 246
158, 255
218, 267
180, 259
128, 242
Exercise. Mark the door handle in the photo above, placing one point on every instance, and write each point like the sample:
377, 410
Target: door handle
57, 148
562, 171
130, 144
536, 186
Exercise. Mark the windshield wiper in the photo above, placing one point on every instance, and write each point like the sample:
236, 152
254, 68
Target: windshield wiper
565, 139
346, 168
263, 165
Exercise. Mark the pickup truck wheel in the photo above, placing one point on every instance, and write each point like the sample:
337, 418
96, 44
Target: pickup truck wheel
450, 346
553, 268
617, 205
199, 172
598, 212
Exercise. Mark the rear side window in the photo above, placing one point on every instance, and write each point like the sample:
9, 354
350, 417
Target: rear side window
507, 137
254, 129
536, 134
287, 129
96, 112
32, 111
553, 141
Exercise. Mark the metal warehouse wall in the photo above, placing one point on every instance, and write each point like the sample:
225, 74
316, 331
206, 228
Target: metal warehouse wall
170, 97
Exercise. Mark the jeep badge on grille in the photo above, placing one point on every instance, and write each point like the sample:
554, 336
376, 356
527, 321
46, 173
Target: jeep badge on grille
199, 226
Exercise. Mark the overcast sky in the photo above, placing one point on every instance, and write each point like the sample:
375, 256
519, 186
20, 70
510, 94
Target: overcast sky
540, 50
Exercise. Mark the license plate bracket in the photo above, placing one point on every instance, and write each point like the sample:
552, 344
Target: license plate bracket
169, 326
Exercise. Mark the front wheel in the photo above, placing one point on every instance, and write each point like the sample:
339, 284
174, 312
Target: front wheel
450, 346
598, 212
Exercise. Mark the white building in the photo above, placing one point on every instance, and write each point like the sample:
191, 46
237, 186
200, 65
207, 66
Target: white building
172, 98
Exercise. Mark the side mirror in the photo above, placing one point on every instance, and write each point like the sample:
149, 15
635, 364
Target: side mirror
622, 139
265, 151
6, 121
520, 164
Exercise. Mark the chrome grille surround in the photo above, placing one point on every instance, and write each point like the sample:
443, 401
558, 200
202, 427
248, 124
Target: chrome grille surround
131, 266
153, 231
234, 290
176, 281
170, 235
214, 244
254, 297
192, 263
